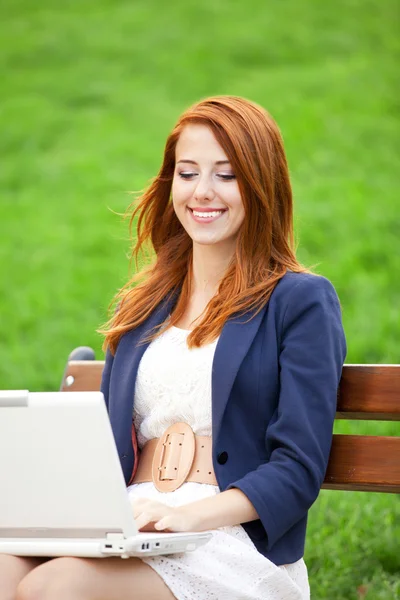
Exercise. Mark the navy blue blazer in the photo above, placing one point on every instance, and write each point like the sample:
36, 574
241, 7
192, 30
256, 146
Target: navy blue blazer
274, 388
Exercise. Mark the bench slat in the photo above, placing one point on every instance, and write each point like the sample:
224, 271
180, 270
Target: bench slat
370, 392
82, 376
364, 463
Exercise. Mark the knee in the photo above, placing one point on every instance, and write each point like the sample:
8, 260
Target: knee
58, 578
30, 588
12, 570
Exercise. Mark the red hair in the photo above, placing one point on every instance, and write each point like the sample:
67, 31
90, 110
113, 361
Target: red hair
265, 245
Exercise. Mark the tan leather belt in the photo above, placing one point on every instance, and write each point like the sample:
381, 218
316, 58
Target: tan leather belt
177, 456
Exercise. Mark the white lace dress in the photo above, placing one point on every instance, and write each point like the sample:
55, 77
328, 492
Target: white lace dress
174, 385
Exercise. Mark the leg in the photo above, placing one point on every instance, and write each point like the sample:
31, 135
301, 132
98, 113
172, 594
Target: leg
93, 579
12, 570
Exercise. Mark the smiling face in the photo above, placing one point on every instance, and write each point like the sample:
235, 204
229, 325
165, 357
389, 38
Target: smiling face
205, 192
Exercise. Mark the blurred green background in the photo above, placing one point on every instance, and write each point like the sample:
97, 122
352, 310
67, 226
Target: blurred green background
90, 90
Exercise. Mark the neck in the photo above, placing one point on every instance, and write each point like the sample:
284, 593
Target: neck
209, 267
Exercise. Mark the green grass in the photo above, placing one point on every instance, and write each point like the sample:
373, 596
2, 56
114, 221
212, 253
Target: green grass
89, 91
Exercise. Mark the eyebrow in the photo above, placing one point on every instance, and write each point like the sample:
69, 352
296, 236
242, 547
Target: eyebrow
193, 162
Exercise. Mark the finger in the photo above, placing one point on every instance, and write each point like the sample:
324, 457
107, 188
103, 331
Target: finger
143, 506
138, 510
144, 519
165, 524
160, 525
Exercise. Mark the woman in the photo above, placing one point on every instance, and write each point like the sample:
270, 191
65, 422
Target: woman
226, 333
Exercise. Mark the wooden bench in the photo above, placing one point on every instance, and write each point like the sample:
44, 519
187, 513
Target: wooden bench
357, 462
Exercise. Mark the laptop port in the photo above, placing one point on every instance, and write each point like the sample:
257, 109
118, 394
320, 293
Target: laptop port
157, 544
108, 545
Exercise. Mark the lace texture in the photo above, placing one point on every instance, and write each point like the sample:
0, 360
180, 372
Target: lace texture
173, 385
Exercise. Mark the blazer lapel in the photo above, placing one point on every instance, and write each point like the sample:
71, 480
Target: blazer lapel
236, 338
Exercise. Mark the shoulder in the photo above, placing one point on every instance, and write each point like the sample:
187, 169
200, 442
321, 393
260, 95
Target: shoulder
299, 296
295, 287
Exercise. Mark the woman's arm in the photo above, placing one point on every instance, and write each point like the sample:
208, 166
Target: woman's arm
227, 508
299, 436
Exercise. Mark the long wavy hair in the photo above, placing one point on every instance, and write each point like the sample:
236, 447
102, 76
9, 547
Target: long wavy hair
265, 242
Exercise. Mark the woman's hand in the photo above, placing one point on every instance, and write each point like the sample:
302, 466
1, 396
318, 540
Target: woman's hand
151, 515
225, 509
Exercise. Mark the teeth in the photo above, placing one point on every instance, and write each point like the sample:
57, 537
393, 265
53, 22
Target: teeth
207, 215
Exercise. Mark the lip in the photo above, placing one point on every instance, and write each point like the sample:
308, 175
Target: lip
206, 210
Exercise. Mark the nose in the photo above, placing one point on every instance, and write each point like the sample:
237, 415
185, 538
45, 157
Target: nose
204, 189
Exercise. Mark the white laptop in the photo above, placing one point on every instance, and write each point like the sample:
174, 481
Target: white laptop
62, 490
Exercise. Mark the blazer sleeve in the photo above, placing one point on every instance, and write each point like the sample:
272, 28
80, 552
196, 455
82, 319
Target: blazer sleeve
105, 378
299, 436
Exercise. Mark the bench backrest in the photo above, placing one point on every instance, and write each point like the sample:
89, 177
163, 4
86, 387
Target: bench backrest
357, 462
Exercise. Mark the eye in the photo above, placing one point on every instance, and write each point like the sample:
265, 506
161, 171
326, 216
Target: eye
186, 174
227, 176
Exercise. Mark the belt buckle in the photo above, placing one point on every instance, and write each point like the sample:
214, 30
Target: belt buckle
173, 457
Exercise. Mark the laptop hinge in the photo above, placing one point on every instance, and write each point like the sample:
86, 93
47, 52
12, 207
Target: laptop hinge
115, 536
